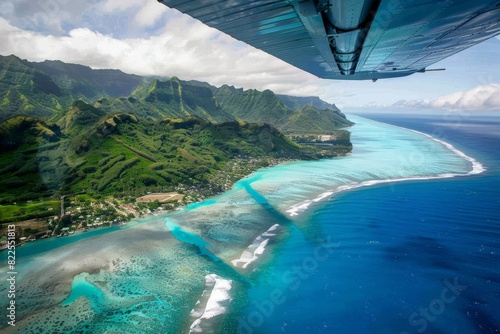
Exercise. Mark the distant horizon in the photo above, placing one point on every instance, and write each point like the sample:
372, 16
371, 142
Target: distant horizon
417, 112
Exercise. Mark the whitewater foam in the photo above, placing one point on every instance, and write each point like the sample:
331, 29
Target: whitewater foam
477, 168
217, 288
256, 248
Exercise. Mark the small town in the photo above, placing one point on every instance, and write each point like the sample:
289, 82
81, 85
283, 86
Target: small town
81, 213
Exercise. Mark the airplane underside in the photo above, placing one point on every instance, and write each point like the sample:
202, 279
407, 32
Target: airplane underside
352, 39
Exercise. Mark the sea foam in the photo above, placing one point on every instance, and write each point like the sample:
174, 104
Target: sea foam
256, 248
477, 168
217, 290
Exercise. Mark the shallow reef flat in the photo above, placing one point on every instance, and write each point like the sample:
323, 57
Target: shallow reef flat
147, 279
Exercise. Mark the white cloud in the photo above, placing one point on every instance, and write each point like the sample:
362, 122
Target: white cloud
48, 16
183, 47
146, 12
149, 13
113, 5
480, 98
120, 18
485, 97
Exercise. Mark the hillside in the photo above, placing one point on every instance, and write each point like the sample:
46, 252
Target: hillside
83, 82
310, 120
177, 98
79, 117
21, 130
49, 89
252, 105
67, 128
173, 98
297, 102
255, 106
125, 154
25, 90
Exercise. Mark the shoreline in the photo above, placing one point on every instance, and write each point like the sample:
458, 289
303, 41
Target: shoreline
477, 168
211, 193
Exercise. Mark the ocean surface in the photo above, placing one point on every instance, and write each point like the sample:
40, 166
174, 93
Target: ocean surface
401, 236
409, 257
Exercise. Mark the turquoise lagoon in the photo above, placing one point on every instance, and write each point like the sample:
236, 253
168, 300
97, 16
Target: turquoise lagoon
218, 266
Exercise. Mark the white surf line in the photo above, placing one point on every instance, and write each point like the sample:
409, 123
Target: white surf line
218, 288
256, 248
477, 168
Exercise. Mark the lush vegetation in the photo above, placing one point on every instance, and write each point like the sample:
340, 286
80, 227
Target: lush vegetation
30, 209
67, 129
46, 90
296, 102
26, 91
310, 120
82, 82
172, 98
125, 154
255, 106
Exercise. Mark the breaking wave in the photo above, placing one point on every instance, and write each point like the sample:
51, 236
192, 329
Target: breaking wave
477, 168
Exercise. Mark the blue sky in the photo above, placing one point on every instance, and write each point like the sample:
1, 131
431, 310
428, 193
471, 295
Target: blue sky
146, 38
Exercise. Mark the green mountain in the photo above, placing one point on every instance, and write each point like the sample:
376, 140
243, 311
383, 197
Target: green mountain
252, 105
173, 98
82, 82
49, 89
32, 162
25, 90
22, 130
122, 153
310, 120
182, 98
65, 128
80, 116
255, 106
297, 102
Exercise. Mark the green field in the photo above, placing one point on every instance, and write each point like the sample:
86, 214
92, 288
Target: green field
34, 209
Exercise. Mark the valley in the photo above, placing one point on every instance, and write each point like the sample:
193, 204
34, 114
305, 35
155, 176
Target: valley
111, 137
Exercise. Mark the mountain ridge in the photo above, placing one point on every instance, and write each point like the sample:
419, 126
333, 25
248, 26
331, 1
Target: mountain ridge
63, 135
83, 81
121, 153
53, 86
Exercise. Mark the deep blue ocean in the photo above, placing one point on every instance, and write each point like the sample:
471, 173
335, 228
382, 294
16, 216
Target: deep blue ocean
408, 257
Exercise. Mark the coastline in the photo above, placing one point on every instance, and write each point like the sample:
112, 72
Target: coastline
258, 246
216, 188
399, 244
207, 222
477, 168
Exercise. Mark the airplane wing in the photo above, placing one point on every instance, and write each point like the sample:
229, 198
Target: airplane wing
352, 39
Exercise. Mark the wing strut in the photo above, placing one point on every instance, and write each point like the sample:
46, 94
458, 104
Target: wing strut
347, 23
